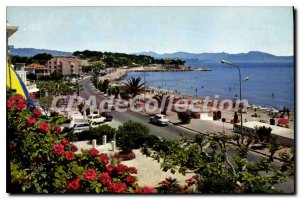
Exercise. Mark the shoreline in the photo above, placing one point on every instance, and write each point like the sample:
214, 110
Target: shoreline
118, 75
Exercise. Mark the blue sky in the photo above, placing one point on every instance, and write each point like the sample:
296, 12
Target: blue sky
158, 29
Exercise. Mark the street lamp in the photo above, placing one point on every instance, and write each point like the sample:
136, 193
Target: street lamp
240, 78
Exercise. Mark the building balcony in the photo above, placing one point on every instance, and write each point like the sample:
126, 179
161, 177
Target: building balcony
31, 87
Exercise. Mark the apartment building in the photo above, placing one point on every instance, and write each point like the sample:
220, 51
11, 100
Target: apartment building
65, 65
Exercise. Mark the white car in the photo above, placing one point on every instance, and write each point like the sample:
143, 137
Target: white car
95, 124
81, 126
159, 119
95, 118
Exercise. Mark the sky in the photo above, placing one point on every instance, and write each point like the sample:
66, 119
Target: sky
158, 29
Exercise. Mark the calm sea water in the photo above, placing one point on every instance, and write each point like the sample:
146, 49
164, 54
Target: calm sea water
269, 84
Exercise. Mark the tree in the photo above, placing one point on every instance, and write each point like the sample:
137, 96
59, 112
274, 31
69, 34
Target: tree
41, 58
218, 169
133, 86
159, 97
103, 85
131, 135
263, 134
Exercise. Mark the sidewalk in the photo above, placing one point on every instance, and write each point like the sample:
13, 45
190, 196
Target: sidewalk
202, 126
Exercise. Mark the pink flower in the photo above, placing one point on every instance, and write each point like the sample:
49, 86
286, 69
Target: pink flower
166, 182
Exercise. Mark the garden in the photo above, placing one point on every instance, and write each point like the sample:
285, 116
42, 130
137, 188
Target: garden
42, 160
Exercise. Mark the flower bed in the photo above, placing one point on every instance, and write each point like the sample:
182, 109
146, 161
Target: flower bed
42, 161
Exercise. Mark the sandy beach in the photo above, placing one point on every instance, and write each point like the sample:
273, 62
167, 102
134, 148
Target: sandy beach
116, 76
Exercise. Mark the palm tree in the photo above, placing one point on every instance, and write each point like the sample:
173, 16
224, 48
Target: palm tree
159, 98
133, 86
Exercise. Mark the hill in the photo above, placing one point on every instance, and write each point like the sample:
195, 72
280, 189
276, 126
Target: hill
30, 52
252, 56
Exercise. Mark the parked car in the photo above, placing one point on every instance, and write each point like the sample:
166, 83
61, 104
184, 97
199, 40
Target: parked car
95, 118
159, 119
95, 124
107, 115
81, 126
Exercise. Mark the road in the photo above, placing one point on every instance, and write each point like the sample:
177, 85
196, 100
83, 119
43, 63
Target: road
169, 132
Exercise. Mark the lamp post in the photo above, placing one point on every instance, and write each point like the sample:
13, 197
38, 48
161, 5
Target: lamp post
240, 80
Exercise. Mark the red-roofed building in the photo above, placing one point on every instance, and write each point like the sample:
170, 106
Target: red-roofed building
37, 69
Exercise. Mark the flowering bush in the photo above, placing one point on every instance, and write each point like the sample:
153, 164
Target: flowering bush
42, 161
170, 185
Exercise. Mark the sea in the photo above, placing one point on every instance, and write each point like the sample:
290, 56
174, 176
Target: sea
266, 84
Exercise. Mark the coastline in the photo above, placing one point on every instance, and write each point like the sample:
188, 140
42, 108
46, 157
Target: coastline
118, 75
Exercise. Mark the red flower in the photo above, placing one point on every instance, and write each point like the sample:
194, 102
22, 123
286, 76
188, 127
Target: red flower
64, 141
166, 182
104, 178
11, 146
90, 174
31, 95
110, 168
74, 185
132, 170
130, 179
145, 189
58, 149
104, 158
19, 97
30, 121
94, 152
74, 148
116, 187
57, 129
37, 112
121, 169
69, 155
9, 104
21, 105
44, 127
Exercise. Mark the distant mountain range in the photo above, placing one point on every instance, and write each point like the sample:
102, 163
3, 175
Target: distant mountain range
29, 52
252, 56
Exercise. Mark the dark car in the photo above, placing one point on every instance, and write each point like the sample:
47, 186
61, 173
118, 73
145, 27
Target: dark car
107, 115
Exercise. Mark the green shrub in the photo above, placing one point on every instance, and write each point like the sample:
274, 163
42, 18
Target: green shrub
131, 135
97, 133
184, 117
263, 134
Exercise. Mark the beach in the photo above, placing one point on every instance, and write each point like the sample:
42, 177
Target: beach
263, 115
